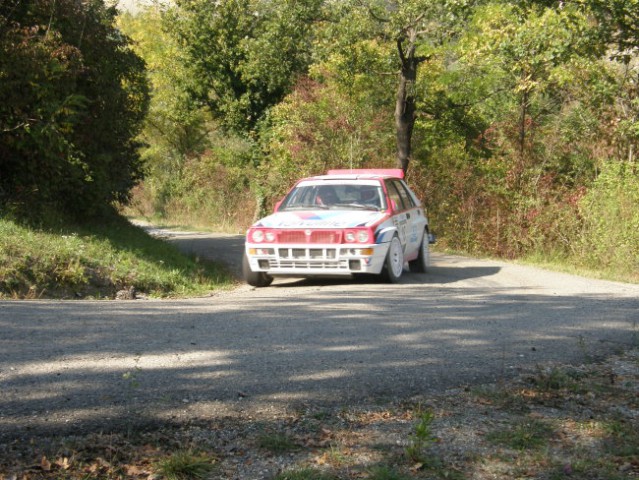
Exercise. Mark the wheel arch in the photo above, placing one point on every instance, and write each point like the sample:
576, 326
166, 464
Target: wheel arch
386, 234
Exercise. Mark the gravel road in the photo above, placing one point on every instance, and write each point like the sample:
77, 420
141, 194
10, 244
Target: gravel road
73, 365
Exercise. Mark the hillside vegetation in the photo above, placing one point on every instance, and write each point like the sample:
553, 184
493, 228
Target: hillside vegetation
98, 261
526, 115
517, 122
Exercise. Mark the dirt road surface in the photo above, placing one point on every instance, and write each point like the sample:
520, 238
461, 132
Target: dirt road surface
74, 365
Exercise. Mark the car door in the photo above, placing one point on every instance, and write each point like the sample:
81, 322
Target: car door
411, 221
400, 213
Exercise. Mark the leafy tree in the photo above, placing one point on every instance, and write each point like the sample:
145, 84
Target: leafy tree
321, 126
419, 28
618, 23
246, 54
610, 234
177, 126
74, 96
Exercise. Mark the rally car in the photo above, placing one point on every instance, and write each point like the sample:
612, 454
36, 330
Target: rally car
346, 222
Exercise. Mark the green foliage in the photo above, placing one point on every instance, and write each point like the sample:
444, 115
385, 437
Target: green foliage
317, 127
74, 96
184, 154
176, 126
421, 439
610, 235
520, 106
556, 379
537, 84
618, 25
210, 190
245, 54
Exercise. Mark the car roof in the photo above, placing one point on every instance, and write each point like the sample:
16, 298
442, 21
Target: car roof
363, 174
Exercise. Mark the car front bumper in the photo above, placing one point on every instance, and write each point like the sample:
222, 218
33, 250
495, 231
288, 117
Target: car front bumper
316, 259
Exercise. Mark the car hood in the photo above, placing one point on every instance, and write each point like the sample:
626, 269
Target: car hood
322, 219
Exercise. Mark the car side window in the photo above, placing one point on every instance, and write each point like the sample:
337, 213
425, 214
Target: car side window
403, 191
395, 196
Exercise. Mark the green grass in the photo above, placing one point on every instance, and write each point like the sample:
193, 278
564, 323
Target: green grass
305, 474
95, 261
277, 443
528, 434
184, 465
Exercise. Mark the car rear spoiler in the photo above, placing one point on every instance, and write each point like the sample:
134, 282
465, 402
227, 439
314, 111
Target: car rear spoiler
390, 172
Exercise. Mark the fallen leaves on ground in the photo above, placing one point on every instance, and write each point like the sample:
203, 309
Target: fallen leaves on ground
556, 422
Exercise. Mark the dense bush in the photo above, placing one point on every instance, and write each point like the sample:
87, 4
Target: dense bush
73, 99
610, 235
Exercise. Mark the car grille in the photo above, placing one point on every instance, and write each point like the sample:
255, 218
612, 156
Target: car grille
307, 253
316, 258
312, 236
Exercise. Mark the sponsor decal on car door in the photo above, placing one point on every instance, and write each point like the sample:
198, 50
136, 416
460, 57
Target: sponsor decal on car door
401, 223
400, 216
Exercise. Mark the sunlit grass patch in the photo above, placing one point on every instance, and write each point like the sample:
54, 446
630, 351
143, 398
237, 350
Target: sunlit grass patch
97, 260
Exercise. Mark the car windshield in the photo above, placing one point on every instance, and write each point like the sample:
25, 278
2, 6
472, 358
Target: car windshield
334, 197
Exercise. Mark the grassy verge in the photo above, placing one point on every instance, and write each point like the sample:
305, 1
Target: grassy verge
559, 422
614, 272
96, 261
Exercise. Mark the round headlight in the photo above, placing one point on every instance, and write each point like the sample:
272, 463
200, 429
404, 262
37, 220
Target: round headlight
270, 236
362, 236
349, 237
258, 236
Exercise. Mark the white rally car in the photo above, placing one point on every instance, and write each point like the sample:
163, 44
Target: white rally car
344, 223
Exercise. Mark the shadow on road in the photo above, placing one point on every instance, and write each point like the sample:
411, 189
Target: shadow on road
75, 365
69, 366
228, 249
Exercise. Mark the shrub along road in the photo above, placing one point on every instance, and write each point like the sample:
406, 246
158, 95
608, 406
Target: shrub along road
74, 365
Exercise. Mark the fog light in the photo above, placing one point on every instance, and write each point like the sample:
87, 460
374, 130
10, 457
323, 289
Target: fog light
263, 264
354, 265
261, 251
359, 252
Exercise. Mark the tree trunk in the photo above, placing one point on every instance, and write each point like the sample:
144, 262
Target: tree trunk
405, 102
523, 116
405, 114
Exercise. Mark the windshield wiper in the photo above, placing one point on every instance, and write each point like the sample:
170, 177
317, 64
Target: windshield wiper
359, 206
305, 207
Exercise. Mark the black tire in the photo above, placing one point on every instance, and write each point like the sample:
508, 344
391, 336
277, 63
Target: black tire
254, 279
394, 265
421, 263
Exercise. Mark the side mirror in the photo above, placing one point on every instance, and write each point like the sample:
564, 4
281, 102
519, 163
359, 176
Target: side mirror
277, 206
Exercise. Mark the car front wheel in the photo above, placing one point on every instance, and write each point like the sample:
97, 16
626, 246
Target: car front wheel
254, 279
420, 264
394, 261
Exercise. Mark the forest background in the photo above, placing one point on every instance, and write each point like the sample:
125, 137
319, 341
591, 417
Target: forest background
523, 116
